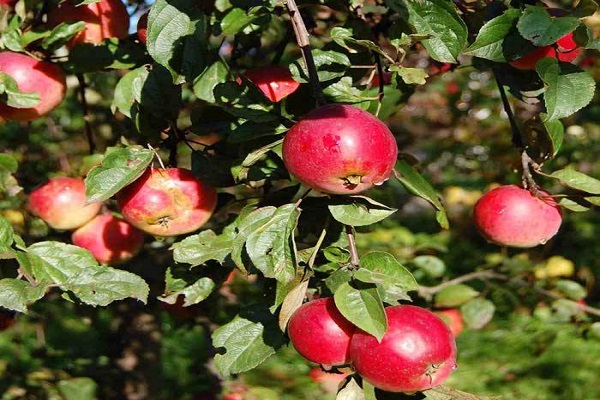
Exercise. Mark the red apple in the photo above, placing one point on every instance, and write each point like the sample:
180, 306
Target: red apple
453, 318
565, 49
111, 240
8, 3
142, 27
274, 81
340, 149
167, 202
32, 75
416, 353
512, 216
104, 19
320, 333
60, 202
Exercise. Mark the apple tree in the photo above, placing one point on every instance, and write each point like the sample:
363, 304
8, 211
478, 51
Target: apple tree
253, 168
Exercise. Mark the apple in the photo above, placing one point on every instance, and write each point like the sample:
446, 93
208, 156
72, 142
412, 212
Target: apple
453, 318
8, 3
61, 203
565, 49
104, 19
320, 333
417, 352
329, 381
111, 240
340, 149
167, 202
512, 216
274, 81
32, 75
142, 27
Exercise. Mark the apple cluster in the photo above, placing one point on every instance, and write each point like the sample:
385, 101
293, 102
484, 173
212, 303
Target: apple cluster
417, 352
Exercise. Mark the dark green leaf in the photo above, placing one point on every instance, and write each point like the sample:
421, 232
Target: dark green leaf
362, 307
455, 295
61, 34
477, 312
206, 245
359, 211
489, 43
337, 278
537, 26
577, 180
330, 65
247, 225
585, 8
119, 168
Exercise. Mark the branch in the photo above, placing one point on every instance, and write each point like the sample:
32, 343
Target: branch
428, 291
517, 139
86, 114
302, 38
354, 260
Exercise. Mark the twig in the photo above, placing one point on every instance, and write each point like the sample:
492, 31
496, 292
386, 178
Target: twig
528, 180
517, 139
302, 38
428, 291
381, 81
86, 114
354, 260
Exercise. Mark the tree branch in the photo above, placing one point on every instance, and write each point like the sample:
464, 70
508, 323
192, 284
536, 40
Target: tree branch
517, 139
86, 114
354, 260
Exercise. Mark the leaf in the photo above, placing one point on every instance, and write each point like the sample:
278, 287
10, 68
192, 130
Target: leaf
438, 19
248, 340
198, 291
490, 41
271, 247
13, 97
362, 307
6, 233
410, 76
434, 266
291, 303
359, 210
342, 36
351, 391
16, 294
571, 289
342, 91
443, 392
585, 8
124, 98
414, 182
454, 296
61, 34
568, 88
246, 225
78, 389
537, 26
477, 312
577, 180
330, 65
574, 205
56, 262
237, 19
206, 245
384, 269
119, 168
205, 83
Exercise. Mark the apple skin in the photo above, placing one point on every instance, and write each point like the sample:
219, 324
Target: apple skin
274, 81
511, 216
417, 352
105, 19
111, 240
320, 333
167, 202
453, 318
565, 50
60, 202
32, 75
142, 27
340, 149
8, 3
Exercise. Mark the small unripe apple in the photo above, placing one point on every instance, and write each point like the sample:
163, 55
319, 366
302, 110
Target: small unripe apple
512, 216
142, 27
320, 333
416, 353
167, 202
104, 19
32, 75
340, 149
274, 81
60, 202
111, 240
453, 318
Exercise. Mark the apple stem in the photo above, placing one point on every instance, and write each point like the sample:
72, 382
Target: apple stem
354, 260
528, 181
86, 114
517, 138
302, 38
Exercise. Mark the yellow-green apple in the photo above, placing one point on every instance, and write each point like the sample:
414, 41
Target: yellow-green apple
61, 203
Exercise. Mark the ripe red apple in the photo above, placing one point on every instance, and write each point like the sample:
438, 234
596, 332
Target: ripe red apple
32, 75
320, 333
104, 19
340, 149
453, 318
565, 49
167, 202
274, 81
8, 3
512, 216
111, 240
60, 202
142, 27
416, 353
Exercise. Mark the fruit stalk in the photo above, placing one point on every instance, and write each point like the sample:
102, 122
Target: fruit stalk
517, 139
86, 119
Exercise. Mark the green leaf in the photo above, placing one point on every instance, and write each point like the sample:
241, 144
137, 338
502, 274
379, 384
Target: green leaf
8, 163
206, 245
359, 210
119, 168
330, 65
173, 284
414, 182
16, 294
362, 307
438, 19
343, 36
337, 278
342, 91
455, 295
6, 233
443, 392
434, 266
292, 301
477, 312
248, 340
57, 263
384, 269
585, 8
575, 205
61, 34
577, 180
271, 247
537, 26
237, 19
246, 225
78, 389
490, 41
410, 76
11, 96
205, 83
568, 88
571, 289
198, 291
